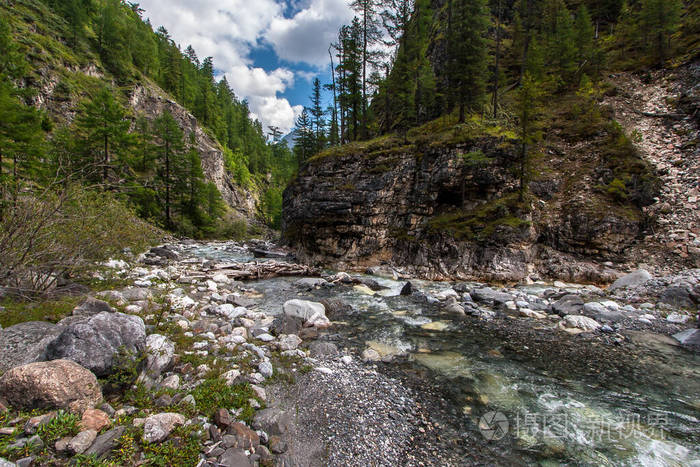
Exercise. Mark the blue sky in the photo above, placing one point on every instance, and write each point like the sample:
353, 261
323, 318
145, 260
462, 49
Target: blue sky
269, 50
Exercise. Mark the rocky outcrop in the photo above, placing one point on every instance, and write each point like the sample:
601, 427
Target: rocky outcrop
452, 210
151, 101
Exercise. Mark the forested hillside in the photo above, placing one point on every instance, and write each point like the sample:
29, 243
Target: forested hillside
71, 74
403, 63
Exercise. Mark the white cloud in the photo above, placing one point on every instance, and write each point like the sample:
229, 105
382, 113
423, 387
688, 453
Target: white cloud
229, 31
306, 36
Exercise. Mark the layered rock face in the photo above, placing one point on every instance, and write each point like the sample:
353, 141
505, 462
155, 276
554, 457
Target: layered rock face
452, 211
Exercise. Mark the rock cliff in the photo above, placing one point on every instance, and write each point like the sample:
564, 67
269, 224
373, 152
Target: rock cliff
452, 209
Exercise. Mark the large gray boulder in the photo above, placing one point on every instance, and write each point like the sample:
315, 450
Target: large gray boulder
26, 343
60, 384
95, 341
570, 304
633, 279
491, 297
677, 296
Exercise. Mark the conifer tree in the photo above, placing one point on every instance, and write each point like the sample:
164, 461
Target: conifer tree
369, 25
660, 19
317, 114
103, 127
471, 21
304, 142
527, 107
169, 141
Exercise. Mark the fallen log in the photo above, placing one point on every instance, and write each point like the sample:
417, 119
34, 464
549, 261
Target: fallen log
264, 270
662, 115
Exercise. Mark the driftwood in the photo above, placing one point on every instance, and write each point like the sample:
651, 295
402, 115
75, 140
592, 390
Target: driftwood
264, 270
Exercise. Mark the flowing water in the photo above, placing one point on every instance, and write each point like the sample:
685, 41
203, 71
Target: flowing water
553, 413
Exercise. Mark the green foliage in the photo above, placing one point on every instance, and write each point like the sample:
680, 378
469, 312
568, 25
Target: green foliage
502, 216
126, 368
181, 448
617, 190
215, 393
64, 424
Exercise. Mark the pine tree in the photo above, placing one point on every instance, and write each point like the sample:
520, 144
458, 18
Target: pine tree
304, 142
369, 35
527, 107
103, 127
169, 141
317, 114
471, 21
660, 19
584, 34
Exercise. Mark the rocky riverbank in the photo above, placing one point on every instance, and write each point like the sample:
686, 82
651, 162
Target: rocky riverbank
184, 365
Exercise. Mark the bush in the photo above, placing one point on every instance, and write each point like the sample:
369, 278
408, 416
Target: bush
50, 235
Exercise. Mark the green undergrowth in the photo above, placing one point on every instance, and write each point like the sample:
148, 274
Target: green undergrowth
445, 131
482, 223
17, 311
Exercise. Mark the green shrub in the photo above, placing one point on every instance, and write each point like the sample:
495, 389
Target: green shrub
213, 394
64, 424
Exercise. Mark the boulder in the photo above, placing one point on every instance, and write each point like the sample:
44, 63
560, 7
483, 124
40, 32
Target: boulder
234, 457
92, 306
678, 297
308, 283
677, 318
574, 324
632, 279
26, 343
570, 304
59, 384
95, 341
313, 313
286, 324
599, 312
81, 442
491, 297
272, 421
94, 419
158, 427
164, 253
105, 442
289, 342
407, 289
159, 356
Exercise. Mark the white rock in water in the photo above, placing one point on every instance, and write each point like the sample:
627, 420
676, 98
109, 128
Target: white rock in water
313, 313
647, 317
445, 294
610, 304
575, 324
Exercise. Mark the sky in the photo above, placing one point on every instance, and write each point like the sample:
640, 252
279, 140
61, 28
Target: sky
269, 50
